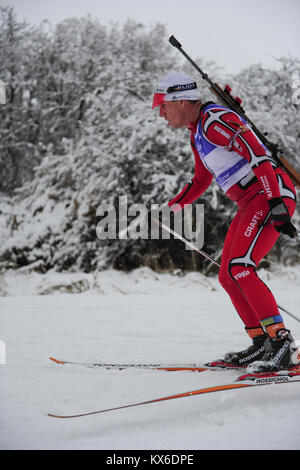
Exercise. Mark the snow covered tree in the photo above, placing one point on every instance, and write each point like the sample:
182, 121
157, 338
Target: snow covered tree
17, 131
87, 136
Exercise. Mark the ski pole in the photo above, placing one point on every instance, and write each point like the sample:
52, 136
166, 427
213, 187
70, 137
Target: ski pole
205, 255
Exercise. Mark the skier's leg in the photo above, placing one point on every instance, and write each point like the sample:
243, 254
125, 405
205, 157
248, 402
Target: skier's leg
253, 328
240, 302
252, 240
244, 258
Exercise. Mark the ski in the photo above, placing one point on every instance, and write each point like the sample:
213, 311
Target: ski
264, 378
243, 381
214, 365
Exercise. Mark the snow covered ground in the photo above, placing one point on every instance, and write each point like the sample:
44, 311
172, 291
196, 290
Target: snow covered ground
141, 316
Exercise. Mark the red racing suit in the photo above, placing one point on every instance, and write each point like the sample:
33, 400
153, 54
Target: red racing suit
226, 148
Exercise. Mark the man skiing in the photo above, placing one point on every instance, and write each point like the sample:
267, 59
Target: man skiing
225, 148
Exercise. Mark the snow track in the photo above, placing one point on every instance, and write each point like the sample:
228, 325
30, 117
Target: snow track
174, 319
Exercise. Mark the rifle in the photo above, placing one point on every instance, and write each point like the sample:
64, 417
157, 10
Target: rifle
235, 104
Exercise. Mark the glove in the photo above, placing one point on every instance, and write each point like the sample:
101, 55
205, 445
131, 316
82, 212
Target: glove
281, 218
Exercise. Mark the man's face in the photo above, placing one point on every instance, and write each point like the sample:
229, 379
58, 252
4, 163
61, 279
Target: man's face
175, 113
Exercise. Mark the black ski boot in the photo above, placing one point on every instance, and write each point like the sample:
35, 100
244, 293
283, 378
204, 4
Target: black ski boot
283, 354
255, 352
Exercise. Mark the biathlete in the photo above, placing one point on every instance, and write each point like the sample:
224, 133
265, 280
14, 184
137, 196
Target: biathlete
226, 148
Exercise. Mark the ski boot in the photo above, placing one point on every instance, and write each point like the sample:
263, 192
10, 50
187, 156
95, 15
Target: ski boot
255, 352
282, 355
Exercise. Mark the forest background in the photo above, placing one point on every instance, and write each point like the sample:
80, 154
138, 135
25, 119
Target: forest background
77, 131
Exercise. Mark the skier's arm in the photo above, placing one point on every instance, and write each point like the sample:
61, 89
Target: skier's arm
192, 190
230, 132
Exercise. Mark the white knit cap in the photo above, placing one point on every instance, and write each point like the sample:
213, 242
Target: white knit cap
176, 86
